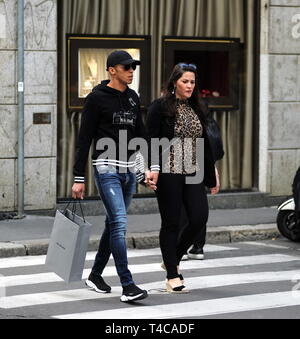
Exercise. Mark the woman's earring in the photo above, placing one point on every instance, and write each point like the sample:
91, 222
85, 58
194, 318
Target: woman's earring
173, 92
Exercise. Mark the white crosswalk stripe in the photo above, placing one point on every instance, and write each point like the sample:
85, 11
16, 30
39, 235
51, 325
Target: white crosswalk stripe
197, 308
229, 269
40, 260
193, 283
29, 279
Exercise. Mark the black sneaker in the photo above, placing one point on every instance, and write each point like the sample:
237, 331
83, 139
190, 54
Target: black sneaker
196, 253
133, 293
97, 283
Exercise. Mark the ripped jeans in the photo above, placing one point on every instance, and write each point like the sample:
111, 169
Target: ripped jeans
116, 191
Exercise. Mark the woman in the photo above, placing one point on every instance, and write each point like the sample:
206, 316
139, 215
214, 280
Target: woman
181, 114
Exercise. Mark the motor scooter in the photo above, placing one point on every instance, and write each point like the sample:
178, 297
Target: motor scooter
288, 218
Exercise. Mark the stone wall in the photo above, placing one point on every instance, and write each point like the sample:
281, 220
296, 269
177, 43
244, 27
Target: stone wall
284, 94
40, 97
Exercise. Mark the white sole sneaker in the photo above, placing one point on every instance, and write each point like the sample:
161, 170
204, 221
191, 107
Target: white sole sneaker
196, 256
94, 287
185, 257
126, 299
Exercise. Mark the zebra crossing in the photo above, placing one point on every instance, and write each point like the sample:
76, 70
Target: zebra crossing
238, 278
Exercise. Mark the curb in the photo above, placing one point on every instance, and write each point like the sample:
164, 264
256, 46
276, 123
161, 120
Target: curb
215, 235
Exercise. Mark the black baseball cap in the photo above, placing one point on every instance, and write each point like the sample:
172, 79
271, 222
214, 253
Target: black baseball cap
120, 58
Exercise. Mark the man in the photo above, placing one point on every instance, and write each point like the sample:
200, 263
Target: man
111, 108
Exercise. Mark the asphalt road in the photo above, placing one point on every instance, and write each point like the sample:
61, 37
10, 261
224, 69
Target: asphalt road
257, 280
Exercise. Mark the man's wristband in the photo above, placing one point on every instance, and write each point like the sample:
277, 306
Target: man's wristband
79, 180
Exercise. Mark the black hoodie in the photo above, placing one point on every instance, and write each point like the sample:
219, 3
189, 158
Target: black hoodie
106, 112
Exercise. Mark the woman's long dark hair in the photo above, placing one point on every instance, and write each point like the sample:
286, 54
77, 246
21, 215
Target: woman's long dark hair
169, 97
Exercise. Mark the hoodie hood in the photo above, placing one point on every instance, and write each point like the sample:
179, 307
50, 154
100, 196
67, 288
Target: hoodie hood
103, 87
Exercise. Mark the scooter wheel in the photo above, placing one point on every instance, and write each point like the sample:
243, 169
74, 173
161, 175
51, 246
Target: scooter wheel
287, 225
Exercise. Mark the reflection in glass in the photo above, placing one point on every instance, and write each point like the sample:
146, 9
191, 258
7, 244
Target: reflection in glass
92, 68
213, 70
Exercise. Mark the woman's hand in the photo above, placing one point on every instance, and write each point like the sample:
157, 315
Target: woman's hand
151, 180
216, 189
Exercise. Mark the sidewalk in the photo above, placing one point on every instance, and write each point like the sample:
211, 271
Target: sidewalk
31, 235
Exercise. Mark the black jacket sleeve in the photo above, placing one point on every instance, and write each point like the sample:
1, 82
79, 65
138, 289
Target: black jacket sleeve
209, 165
141, 132
153, 129
140, 129
87, 132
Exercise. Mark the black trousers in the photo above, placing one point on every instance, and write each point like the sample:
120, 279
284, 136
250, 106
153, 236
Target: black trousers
200, 239
173, 193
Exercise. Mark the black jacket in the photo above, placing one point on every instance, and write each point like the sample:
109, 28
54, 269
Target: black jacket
107, 111
296, 190
159, 125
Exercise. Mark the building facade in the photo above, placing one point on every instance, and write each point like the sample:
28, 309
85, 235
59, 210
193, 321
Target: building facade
280, 95
273, 69
40, 97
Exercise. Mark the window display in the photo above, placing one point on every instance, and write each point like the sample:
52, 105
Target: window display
218, 62
87, 57
92, 68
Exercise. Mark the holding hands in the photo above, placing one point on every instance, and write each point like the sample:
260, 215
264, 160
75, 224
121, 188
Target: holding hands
151, 180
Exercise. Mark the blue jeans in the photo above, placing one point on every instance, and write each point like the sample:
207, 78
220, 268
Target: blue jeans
116, 191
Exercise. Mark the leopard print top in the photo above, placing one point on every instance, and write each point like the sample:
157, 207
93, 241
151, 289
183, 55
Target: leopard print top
182, 158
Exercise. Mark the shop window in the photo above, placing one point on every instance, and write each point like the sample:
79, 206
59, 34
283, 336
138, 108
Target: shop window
218, 62
87, 57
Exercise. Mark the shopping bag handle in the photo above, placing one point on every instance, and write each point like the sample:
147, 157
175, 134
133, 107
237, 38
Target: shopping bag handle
75, 201
81, 210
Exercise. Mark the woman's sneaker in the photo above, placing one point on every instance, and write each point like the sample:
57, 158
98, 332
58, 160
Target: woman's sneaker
97, 283
185, 257
133, 293
196, 253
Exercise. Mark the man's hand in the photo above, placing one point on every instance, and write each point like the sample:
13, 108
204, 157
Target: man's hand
151, 180
78, 191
